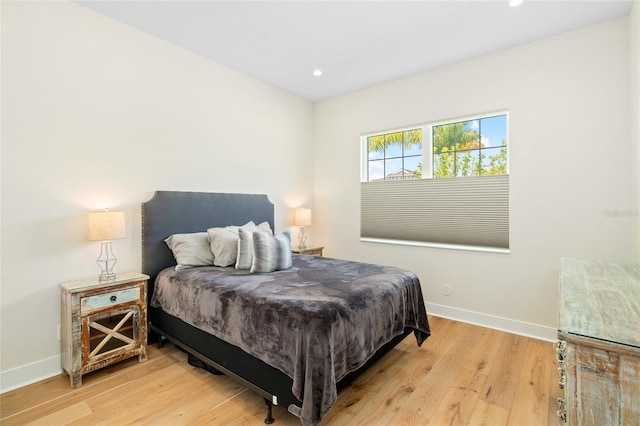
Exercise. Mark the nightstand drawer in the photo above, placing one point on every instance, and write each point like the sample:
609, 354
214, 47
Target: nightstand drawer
99, 301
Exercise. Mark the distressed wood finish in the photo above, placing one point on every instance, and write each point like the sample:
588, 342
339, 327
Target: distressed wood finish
599, 321
91, 339
312, 251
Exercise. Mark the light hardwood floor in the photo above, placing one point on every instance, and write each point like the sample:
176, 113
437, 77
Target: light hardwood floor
462, 375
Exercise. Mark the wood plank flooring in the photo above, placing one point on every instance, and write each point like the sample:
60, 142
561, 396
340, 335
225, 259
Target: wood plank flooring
462, 375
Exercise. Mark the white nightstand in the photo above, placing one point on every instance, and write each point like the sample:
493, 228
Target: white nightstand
103, 323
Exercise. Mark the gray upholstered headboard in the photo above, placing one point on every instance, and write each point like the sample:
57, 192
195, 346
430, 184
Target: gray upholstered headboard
176, 212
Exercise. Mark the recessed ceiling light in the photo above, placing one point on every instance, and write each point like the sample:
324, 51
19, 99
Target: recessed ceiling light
514, 3
317, 73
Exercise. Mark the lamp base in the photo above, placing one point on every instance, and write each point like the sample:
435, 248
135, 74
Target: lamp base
106, 261
107, 276
302, 244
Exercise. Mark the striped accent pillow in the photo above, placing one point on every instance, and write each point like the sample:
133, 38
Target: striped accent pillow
245, 245
245, 249
271, 253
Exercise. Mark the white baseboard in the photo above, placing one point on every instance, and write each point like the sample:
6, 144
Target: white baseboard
30, 373
522, 328
49, 367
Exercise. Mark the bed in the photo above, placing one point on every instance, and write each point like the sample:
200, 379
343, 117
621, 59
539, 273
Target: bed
295, 336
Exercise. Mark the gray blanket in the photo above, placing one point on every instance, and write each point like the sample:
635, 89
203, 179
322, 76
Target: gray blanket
315, 322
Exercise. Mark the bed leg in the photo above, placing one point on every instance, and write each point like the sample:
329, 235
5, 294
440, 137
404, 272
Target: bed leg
269, 418
154, 337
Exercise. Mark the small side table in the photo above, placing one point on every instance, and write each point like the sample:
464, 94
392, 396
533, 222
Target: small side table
103, 323
313, 251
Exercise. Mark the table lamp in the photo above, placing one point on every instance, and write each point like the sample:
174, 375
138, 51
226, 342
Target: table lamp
105, 226
302, 219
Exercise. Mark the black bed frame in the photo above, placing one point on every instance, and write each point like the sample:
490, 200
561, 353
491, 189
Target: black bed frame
173, 212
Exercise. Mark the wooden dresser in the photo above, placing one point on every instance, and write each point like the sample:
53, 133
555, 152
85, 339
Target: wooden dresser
599, 343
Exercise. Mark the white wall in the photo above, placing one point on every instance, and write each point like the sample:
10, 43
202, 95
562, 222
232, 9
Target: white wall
568, 98
97, 114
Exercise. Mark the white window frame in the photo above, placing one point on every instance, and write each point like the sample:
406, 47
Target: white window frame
427, 154
364, 149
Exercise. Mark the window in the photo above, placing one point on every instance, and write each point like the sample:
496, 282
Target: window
394, 156
470, 148
451, 189
473, 147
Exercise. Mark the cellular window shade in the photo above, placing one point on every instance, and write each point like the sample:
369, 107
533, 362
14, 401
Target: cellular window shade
470, 211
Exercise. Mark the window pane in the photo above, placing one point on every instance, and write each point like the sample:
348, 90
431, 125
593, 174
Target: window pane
376, 170
443, 164
373, 155
393, 169
413, 142
493, 130
394, 149
451, 136
393, 144
467, 162
413, 149
411, 164
375, 147
494, 161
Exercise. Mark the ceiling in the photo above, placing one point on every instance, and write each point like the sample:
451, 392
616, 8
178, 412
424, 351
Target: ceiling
355, 43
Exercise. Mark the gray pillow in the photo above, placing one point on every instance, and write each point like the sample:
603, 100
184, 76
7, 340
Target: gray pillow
245, 245
190, 250
271, 253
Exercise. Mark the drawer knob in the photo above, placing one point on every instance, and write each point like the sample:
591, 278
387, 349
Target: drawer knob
562, 377
562, 410
113, 298
561, 351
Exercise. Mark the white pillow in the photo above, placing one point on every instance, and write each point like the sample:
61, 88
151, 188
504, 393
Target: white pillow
271, 253
190, 250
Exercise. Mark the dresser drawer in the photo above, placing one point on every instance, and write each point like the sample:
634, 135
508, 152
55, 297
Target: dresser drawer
100, 301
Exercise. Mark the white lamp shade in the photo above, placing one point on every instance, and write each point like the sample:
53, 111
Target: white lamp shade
106, 225
302, 217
